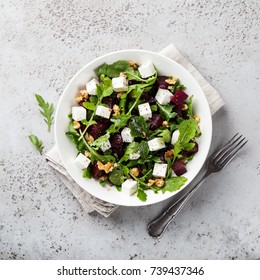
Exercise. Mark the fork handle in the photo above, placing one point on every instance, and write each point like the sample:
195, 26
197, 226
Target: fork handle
157, 227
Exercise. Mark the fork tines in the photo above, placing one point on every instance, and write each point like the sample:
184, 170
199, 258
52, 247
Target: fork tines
227, 153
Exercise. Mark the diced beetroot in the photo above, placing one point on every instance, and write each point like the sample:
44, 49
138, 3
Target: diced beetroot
147, 97
117, 144
96, 173
110, 101
179, 168
194, 150
162, 83
155, 121
97, 130
179, 97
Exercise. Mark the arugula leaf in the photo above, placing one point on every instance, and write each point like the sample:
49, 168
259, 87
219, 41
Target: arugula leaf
100, 140
132, 148
112, 70
188, 130
86, 173
93, 99
47, 110
144, 150
36, 142
174, 184
166, 135
141, 194
88, 123
119, 121
89, 106
166, 111
104, 88
116, 177
139, 127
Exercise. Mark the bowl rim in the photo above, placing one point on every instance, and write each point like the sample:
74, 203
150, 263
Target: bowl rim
209, 127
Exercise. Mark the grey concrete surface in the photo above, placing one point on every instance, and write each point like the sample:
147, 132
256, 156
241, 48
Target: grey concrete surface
43, 44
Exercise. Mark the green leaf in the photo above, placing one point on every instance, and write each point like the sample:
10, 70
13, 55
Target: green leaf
188, 130
88, 123
46, 110
36, 142
141, 195
144, 150
116, 177
190, 109
100, 140
132, 148
104, 88
112, 70
86, 173
139, 127
174, 184
93, 99
89, 106
166, 111
166, 135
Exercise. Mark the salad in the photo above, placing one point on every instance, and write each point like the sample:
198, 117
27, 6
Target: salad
134, 129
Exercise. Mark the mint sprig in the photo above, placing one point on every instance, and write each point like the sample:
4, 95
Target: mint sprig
46, 110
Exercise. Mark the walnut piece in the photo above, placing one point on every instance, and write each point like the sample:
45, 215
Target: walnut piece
165, 124
87, 153
133, 64
134, 171
116, 110
89, 138
108, 167
169, 154
197, 118
171, 81
76, 124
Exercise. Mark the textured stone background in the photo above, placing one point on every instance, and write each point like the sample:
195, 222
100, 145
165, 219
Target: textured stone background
43, 44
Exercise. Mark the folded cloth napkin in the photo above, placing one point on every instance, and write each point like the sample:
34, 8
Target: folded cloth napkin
91, 203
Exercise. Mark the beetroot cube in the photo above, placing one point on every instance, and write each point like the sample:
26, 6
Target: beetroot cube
110, 101
96, 130
96, 173
117, 144
179, 168
194, 150
179, 97
155, 121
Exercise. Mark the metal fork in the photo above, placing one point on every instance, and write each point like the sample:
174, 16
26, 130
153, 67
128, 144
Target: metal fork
215, 163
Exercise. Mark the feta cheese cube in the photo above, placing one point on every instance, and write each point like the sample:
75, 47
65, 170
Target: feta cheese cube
120, 84
82, 161
79, 113
126, 135
134, 156
129, 187
145, 110
156, 144
146, 70
91, 87
105, 146
175, 136
159, 170
163, 96
103, 111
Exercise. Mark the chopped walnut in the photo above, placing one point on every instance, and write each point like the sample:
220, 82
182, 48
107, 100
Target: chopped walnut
79, 99
108, 167
89, 138
133, 64
169, 154
116, 110
76, 124
87, 153
165, 124
184, 107
170, 87
197, 118
122, 74
84, 94
171, 81
103, 178
134, 171
119, 94
158, 182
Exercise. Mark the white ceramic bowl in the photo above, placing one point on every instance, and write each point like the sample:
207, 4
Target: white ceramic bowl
165, 66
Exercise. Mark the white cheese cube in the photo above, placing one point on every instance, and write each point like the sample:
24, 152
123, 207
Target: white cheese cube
103, 111
120, 84
129, 187
105, 146
82, 161
126, 135
156, 144
175, 136
146, 70
91, 87
163, 96
134, 156
159, 170
79, 113
145, 110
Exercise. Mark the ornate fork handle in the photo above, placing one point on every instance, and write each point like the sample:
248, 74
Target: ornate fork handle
157, 227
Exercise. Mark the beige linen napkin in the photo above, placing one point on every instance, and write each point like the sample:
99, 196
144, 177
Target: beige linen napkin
91, 203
